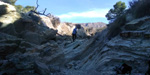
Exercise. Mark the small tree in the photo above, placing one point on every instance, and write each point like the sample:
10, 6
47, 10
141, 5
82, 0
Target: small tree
10, 1
118, 9
19, 8
28, 8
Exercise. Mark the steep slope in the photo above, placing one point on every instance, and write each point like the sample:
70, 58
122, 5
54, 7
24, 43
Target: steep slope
92, 28
102, 56
132, 48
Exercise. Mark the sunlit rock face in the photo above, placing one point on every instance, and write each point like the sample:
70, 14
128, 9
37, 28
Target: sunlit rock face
54, 23
27, 26
87, 29
8, 14
65, 28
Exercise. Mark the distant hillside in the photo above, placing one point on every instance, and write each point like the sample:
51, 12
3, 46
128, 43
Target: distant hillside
94, 25
87, 29
92, 28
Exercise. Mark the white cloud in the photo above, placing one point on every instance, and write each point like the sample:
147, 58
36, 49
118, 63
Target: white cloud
96, 13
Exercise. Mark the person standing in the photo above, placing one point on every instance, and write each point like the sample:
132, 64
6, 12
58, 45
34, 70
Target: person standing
74, 34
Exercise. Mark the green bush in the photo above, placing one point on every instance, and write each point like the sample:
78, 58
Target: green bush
55, 21
115, 27
28, 8
117, 10
19, 8
12, 2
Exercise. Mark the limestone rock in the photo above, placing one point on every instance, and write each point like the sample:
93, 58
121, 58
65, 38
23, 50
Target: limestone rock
8, 14
8, 44
50, 34
47, 22
41, 68
135, 24
65, 29
81, 33
33, 37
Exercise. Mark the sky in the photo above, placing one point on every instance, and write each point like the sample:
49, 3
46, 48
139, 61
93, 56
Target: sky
75, 11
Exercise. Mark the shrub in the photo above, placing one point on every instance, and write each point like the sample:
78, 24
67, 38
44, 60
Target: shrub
115, 27
55, 21
139, 8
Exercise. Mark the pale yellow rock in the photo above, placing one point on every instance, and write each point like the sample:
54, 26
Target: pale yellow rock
47, 22
11, 15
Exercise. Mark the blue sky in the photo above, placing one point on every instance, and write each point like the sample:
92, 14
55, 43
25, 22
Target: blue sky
76, 11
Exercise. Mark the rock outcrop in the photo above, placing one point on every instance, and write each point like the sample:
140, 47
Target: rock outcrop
25, 26
6, 22
105, 55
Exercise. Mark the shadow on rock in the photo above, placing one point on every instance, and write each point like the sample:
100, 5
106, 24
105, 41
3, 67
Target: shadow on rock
3, 10
123, 69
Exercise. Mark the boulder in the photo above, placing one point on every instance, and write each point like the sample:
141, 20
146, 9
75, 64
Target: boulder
55, 21
8, 44
24, 24
7, 48
3, 9
65, 29
18, 61
41, 68
54, 69
8, 15
129, 17
7, 68
6, 8
81, 33
5, 36
47, 22
49, 34
136, 24
33, 37
35, 17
